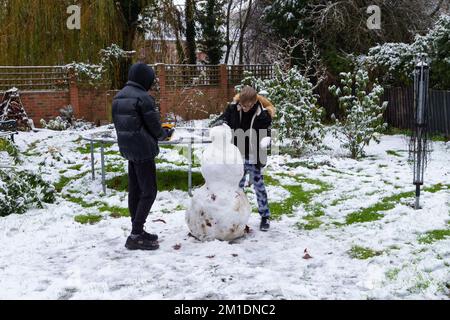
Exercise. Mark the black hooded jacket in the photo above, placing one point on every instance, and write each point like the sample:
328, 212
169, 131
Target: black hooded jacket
257, 119
135, 117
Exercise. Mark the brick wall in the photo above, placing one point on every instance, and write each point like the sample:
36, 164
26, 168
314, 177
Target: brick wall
94, 105
44, 104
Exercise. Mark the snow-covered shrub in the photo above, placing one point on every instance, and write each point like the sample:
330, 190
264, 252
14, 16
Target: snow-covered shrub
114, 52
10, 148
298, 116
66, 121
394, 62
81, 125
58, 124
93, 73
20, 191
362, 112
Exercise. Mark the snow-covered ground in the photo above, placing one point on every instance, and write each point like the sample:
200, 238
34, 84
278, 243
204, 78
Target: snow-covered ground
46, 254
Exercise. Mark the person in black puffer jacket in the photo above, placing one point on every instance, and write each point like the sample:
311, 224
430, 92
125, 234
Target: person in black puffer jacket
138, 128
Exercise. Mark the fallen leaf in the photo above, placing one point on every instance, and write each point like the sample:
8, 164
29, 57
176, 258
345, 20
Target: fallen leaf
159, 220
210, 257
247, 229
234, 254
177, 246
307, 255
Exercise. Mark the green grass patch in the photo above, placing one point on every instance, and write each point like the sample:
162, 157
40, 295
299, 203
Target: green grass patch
433, 236
115, 212
437, 187
357, 252
75, 167
393, 153
372, 213
392, 274
112, 153
63, 180
335, 202
312, 221
439, 138
167, 146
87, 147
166, 180
297, 196
110, 167
80, 202
88, 219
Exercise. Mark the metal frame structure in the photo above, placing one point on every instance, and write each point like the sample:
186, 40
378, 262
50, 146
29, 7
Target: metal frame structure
419, 144
189, 141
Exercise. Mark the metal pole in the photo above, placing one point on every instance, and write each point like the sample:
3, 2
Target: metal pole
190, 167
417, 205
103, 167
92, 160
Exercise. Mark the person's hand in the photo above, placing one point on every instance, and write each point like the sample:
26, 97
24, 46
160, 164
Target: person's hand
169, 132
265, 142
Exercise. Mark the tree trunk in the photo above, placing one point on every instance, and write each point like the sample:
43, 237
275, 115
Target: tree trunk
228, 42
242, 33
191, 46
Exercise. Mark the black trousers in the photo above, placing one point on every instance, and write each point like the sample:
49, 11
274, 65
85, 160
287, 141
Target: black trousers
142, 190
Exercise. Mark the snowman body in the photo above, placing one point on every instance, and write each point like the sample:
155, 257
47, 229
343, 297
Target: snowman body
219, 209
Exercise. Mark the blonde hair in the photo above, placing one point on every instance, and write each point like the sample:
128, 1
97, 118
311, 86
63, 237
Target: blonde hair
248, 94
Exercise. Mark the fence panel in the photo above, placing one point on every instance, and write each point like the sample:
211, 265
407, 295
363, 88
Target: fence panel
33, 78
236, 72
400, 111
192, 75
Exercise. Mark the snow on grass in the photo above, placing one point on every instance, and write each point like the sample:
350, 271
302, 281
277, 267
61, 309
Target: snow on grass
354, 217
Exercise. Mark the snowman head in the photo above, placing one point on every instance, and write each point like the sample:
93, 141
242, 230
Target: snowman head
221, 135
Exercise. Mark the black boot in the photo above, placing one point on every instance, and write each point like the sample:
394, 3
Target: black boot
140, 242
150, 236
265, 225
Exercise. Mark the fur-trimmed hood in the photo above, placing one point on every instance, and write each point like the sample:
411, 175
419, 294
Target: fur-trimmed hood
266, 104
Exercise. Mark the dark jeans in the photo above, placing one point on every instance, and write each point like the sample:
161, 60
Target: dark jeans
142, 191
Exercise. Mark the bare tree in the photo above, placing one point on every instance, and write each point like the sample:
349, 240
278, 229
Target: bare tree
229, 44
244, 17
309, 62
344, 21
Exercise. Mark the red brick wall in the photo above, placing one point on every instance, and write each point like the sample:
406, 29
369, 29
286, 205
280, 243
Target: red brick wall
93, 105
44, 104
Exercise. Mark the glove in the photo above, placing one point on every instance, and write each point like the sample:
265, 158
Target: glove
265, 142
169, 133
168, 129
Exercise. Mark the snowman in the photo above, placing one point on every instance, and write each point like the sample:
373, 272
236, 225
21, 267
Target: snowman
219, 209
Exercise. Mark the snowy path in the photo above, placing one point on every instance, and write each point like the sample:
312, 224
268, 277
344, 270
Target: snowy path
46, 254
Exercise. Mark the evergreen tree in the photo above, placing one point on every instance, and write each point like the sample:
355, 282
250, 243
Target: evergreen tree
362, 109
211, 18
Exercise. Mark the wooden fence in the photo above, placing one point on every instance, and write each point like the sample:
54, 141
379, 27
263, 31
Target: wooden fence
400, 109
34, 78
